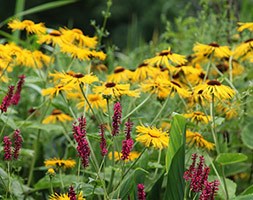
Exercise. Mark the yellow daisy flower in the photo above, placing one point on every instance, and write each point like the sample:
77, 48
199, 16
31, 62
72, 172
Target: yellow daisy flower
54, 91
196, 139
75, 79
117, 156
54, 37
65, 196
166, 58
152, 137
96, 101
143, 72
230, 110
109, 89
198, 116
120, 74
197, 97
243, 49
75, 36
212, 48
27, 25
55, 162
56, 116
214, 87
243, 26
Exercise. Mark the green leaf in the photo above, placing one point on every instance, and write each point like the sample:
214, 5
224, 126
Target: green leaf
244, 197
247, 136
248, 190
46, 127
230, 158
9, 121
175, 159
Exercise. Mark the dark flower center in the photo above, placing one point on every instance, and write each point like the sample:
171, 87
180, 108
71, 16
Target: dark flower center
223, 67
200, 92
165, 53
249, 40
110, 85
213, 82
56, 112
214, 44
175, 83
142, 65
202, 75
79, 75
118, 70
55, 33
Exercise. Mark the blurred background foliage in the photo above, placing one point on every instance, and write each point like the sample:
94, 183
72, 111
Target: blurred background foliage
133, 23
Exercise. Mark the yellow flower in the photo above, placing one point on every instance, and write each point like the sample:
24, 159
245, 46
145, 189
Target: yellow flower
75, 79
96, 101
51, 172
230, 110
120, 74
115, 90
151, 136
55, 116
55, 162
117, 156
166, 58
81, 53
243, 26
54, 91
143, 72
27, 25
65, 196
197, 97
75, 36
198, 116
163, 87
212, 48
54, 37
243, 49
196, 139
214, 87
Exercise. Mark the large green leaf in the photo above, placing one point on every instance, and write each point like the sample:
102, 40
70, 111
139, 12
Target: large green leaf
230, 158
244, 197
175, 159
247, 135
248, 190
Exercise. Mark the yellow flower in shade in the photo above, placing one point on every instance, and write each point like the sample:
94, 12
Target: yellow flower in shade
163, 87
198, 116
212, 48
120, 74
75, 79
152, 137
27, 25
81, 53
143, 72
223, 67
184, 70
56, 116
243, 49
117, 156
197, 97
197, 140
230, 110
65, 196
54, 91
196, 78
115, 90
214, 87
243, 26
96, 101
166, 58
54, 37
75, 36
55, 162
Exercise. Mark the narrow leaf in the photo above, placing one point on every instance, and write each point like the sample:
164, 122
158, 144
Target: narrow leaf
247, 136
175, 159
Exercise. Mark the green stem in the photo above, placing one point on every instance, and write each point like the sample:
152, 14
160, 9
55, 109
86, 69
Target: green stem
60, 174
225, 184
69, 107
213, 125
67, 136
230, 62
158, 162
20, 5
137, 107
9, 179
113, 164
160, 111
208, 67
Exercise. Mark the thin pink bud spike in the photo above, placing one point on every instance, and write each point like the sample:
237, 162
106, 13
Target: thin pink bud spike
16, 97
71, 193
7, 148
141, 192
116, 119
7, 99
17, 143
103, 148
